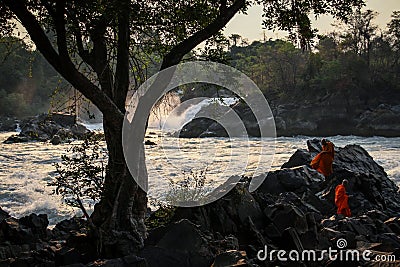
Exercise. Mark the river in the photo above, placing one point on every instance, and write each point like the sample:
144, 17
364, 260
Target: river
26, 168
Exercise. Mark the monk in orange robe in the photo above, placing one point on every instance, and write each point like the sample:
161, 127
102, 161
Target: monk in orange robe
342, 199
323, 161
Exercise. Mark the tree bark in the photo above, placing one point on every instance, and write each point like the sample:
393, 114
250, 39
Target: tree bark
123, 204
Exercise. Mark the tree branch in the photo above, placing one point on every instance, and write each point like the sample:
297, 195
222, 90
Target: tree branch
65, 68
184, 47
101, 65
59, 21
122, 67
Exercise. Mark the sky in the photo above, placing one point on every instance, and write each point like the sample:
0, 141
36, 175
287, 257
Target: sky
249, 26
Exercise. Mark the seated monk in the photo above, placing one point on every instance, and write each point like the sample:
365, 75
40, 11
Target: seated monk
323, 161
342, 199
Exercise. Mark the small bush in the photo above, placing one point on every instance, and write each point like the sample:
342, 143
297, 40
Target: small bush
163, 214
81, 174
192, 188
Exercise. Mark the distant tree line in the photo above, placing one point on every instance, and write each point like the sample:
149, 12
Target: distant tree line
27, 81
360, 58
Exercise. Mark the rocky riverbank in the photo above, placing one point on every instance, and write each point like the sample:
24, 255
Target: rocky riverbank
56, 128
325, 117
292, 210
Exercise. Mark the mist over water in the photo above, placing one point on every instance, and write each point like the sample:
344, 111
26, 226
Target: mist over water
170, 116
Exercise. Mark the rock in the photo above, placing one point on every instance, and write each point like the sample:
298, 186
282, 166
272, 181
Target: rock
313, 118
13, 231
127, 261
3, 215
44, 128
16, 139
394, 224
196, 128
65, 120
382, 121
8, 124
229, 242
284, 216
230, 258
38, 224
369, 185
67, 256
149, 143
179, 244
79, 131
303, 181
204, 127
64, 229
226, 215
56, 140
299, 158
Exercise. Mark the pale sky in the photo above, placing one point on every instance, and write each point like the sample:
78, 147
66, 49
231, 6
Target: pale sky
249, 26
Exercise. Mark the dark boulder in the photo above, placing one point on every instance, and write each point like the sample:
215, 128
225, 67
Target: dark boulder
230, 258
178, 244
149, 143
56, 140
38, 224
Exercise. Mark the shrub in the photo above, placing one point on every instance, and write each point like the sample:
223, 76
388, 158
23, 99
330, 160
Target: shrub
81, 175
192, 188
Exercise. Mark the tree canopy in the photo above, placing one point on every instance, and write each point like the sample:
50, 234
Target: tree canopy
361, 59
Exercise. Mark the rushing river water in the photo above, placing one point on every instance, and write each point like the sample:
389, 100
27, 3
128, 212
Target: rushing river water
26, 168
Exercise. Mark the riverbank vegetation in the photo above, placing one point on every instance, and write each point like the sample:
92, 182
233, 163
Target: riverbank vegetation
359, 57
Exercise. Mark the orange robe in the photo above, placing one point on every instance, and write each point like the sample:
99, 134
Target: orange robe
323, 161
342, 201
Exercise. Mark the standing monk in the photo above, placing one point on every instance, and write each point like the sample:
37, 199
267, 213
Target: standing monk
323, 161
342, 199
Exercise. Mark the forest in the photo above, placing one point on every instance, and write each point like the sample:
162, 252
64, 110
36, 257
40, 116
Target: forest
360, 58
27, 81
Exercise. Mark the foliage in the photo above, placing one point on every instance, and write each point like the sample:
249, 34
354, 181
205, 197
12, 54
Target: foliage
13, 104
362, 60
193, 187
81, 174
161, 216
26, 80
294, 16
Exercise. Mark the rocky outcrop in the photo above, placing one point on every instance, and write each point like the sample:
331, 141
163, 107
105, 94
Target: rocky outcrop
294, 208
8, 124
382, 120
327, 117
46, 128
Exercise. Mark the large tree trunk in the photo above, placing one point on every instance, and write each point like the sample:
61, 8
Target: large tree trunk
121, 211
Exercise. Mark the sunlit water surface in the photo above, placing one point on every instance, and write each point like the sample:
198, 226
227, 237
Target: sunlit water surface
26, 168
